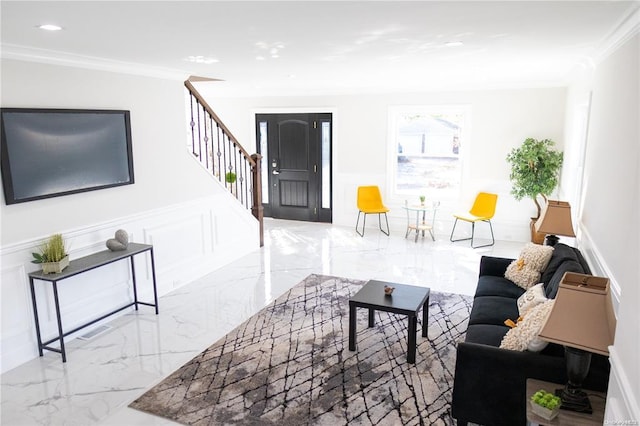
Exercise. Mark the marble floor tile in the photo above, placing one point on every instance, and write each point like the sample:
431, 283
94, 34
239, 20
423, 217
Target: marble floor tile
103, 375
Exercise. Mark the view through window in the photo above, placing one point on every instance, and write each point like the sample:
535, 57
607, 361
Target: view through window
427, 145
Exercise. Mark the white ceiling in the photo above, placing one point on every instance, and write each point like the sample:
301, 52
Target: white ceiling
322, 46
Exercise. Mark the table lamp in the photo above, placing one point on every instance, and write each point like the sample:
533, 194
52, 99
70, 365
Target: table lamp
555, 220
582, 319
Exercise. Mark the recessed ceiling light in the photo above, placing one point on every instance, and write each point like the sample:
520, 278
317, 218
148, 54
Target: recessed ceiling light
50, 27
454, 43
199, 59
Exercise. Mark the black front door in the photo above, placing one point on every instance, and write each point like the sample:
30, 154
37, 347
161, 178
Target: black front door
296, 173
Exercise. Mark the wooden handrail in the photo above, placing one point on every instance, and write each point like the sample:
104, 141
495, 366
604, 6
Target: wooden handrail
225, 167
219, 122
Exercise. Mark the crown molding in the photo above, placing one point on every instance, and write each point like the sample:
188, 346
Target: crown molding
31, 54
627, 27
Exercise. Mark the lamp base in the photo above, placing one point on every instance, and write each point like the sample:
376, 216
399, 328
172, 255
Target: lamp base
551, 240
574, 401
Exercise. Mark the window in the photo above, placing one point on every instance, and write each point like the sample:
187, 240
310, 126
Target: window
427, 143
326, 165
264, 162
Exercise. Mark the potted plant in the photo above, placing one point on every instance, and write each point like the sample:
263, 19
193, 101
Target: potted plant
535, 168
545, 404
52, 254
230, 177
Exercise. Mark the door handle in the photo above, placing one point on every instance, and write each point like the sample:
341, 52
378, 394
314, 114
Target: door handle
275, 172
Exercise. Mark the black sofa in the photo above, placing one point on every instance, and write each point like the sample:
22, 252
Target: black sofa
489, 382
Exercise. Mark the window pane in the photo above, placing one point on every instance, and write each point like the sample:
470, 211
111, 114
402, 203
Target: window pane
428, 148
263, 162
326, 165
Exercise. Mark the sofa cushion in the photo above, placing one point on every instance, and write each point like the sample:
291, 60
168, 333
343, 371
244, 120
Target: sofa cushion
493, 310
567, 266
531, 298
525, 335
526, 270
489, 285
486, 334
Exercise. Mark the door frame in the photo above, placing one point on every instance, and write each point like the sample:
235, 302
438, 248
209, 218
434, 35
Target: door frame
301, 110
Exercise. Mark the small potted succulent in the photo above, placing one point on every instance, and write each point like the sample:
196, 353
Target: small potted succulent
422, 198
52, 254
545, 404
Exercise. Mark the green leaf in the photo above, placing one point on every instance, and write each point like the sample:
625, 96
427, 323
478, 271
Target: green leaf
535, 168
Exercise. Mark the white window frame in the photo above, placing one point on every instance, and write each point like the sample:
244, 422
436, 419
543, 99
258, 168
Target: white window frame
465, 138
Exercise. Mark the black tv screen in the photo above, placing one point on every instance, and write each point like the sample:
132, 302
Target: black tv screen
53, 152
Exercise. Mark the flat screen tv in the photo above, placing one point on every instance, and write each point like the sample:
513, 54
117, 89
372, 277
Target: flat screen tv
54, 152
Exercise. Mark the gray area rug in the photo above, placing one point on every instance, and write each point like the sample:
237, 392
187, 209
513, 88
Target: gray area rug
290, 364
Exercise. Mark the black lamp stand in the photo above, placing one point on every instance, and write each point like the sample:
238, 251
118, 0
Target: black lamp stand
572, 395
551, 240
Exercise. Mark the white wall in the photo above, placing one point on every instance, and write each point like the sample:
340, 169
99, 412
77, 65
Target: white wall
501, 120
608, 223
194, 225
158, 133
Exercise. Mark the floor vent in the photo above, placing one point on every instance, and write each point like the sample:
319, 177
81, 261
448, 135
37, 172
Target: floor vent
95, 332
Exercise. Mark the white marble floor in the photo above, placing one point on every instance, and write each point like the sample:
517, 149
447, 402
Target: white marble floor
103, 375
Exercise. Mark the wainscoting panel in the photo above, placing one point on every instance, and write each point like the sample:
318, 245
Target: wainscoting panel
190, 240
621, 405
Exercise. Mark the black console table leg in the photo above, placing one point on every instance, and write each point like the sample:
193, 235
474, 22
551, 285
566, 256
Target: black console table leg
35, 315
372, 317
153, 274
60, 332
135, 287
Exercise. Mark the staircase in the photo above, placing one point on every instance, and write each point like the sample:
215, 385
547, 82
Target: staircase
222, 155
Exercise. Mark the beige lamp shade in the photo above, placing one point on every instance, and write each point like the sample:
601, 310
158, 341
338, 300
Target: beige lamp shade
556, 219
582, 316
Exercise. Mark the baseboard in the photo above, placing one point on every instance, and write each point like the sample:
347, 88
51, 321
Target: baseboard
622, 404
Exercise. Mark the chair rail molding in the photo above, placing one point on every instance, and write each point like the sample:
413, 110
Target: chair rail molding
190, 240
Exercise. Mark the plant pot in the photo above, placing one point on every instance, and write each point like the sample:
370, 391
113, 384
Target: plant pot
536, 237
544, 412
55, 267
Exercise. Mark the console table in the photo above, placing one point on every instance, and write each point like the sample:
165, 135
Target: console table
79, 266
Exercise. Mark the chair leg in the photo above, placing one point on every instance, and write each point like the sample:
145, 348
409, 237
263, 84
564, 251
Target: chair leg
459, 239
364, 221
473, 231
380, 224
493, 240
